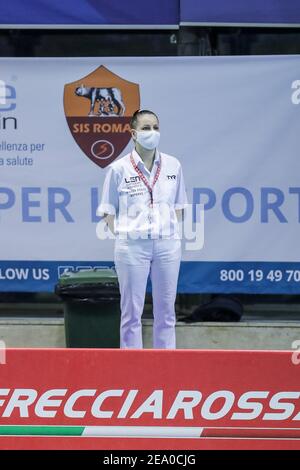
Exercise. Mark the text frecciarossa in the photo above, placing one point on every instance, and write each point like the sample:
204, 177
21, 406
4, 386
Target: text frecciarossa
134, 404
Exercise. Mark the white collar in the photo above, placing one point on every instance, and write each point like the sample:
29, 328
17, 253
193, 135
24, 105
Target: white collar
138, 160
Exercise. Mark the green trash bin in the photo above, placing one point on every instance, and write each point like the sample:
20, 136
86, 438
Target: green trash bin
91, 300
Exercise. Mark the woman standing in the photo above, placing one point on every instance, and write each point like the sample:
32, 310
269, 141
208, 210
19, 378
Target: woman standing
142, 201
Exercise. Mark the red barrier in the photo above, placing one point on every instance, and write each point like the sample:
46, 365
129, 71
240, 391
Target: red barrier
144, 399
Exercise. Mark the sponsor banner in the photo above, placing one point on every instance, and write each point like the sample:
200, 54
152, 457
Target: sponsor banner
41, 276
218, 12
63, 121
129, 399
89, 13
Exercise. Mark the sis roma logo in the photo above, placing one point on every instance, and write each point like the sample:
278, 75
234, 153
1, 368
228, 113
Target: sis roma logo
98, 108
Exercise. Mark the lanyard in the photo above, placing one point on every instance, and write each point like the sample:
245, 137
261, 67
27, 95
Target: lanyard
144, 179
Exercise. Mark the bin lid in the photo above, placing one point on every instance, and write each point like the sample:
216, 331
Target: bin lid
107, 276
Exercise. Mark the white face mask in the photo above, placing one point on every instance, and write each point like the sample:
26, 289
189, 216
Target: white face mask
148, 139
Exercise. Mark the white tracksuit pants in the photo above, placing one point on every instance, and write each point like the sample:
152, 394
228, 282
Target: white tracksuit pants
134, 260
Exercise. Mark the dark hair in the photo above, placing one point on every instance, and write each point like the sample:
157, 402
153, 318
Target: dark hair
136, 114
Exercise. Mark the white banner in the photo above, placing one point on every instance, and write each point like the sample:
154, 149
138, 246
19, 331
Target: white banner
233, 122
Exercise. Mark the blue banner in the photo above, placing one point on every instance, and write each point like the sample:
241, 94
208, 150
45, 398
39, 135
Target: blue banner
256, 12
194, 277
89, 13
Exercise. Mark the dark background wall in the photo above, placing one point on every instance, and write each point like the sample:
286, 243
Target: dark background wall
185, 41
